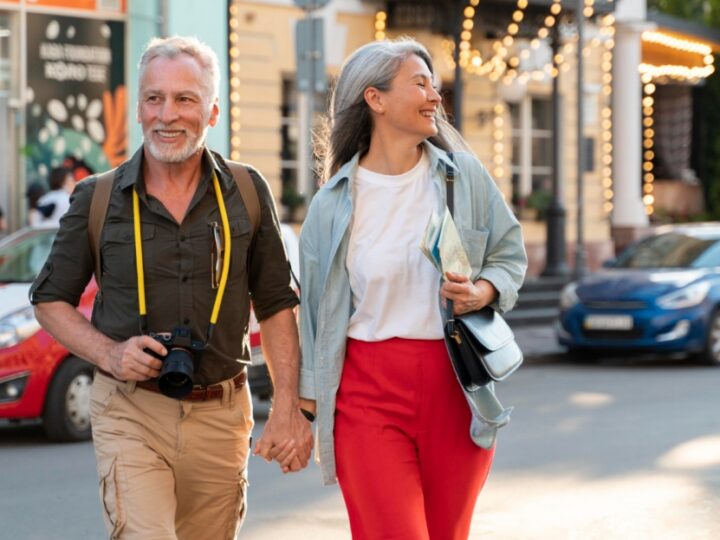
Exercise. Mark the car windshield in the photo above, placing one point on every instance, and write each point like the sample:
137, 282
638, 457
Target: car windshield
673, 250
22, 256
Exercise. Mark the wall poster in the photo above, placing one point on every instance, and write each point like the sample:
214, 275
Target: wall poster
76, 95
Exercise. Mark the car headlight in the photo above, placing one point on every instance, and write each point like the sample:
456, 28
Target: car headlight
686, 297
18, 326
568, 296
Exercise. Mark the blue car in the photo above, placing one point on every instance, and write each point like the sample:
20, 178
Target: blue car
661, 295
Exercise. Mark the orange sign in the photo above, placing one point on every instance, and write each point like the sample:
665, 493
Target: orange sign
118, 6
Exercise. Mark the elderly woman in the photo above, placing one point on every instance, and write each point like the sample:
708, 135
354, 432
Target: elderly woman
410, 448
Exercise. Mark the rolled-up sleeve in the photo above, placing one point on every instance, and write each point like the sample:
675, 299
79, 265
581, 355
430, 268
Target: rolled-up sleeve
69, 266
269, 275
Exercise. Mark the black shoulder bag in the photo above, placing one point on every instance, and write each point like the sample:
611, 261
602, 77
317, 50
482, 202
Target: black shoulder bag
480, 344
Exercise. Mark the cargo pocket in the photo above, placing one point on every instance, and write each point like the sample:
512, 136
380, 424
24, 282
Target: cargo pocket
112, 505
241, 506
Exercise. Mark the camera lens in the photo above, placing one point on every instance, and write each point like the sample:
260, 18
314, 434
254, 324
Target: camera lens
176, 375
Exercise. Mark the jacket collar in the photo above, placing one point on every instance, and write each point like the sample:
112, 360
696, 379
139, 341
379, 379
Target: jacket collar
438, 160
131, 172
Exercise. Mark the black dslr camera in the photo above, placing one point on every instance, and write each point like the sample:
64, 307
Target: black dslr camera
181, 362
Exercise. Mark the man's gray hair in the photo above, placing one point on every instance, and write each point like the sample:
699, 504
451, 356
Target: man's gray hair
171, 47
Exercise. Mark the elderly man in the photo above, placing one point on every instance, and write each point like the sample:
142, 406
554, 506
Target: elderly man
179, 258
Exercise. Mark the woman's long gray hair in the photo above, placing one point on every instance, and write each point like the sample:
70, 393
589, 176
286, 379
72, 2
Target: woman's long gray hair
349, 125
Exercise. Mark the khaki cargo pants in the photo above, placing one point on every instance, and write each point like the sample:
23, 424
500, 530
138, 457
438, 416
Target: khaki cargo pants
170, 469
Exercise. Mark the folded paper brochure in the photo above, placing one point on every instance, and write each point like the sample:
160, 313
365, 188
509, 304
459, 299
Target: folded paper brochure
441, 244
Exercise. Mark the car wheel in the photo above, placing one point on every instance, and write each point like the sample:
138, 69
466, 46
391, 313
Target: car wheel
67, 406
712, 347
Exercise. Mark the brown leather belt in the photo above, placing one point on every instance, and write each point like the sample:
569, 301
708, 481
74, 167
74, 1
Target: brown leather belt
198, 393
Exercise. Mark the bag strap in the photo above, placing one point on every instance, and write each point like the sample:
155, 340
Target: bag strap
450, 201
96, 218
248, 193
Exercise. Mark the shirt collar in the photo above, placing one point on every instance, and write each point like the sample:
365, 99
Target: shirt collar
132, 171
438, 158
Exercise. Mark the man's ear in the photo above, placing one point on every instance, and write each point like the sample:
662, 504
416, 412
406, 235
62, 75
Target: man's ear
375, 100
214, 111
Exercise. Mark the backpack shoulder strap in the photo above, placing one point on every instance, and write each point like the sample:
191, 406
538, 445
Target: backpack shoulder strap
96, 218
247, 192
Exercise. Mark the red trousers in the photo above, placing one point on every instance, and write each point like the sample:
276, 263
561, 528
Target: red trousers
406, 464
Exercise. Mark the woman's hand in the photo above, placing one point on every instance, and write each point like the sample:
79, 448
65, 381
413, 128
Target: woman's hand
466, 295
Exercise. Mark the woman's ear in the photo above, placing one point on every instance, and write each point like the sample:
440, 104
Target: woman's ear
374, 99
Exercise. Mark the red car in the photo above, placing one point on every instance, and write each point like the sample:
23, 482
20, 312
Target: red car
39, 378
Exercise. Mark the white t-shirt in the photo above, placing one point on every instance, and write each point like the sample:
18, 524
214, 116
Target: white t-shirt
395, 288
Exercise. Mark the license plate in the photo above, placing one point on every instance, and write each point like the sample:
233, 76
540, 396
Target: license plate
608, 322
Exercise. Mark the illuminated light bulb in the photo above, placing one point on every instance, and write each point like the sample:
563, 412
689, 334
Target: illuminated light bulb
558, 58
522, 4
648, 121
647, 166
381, 15
379, 25
543, 33
525, 54
647, 143
513, 28
517, 16
469, 12
608, 206
607, 182
465, 35
588, 12
648, 101
649, 88
649, 210
648, 186
508, 41
554, 72
649, 155
608, 193
648, 199
476, 61
468, 24
464, 45
514, 61
535, 44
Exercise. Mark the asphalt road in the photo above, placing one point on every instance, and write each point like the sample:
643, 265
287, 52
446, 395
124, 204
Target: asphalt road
615, 450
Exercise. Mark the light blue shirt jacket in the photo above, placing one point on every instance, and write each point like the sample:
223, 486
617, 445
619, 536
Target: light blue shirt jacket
491, 236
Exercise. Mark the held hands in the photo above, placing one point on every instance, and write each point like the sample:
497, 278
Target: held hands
466, 295
287, 438
128, 361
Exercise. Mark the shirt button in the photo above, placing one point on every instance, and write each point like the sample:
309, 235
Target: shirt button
184, 278
182, 237
186, 320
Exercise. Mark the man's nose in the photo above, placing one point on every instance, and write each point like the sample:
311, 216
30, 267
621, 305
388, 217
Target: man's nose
168, 112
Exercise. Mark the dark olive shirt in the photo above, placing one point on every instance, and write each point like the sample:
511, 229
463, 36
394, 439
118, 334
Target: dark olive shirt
176, 262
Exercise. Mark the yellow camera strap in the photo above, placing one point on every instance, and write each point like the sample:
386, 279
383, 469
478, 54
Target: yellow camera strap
142, 308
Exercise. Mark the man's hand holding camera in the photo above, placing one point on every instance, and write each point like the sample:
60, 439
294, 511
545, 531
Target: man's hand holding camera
129, 361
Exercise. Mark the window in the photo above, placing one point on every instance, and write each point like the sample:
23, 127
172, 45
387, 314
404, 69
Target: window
531, 165
290, 140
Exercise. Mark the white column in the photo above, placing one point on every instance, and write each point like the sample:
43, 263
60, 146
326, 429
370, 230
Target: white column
628, 208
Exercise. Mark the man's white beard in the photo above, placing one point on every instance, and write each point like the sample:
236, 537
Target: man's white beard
176, 155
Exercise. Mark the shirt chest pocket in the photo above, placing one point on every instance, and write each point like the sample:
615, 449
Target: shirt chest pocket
208, 247
118, 253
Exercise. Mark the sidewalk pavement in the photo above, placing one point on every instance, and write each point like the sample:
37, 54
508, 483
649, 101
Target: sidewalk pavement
538, 342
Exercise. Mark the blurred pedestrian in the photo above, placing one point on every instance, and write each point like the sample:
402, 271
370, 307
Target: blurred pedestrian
33, 194
394, 424
53, 204
3, 223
